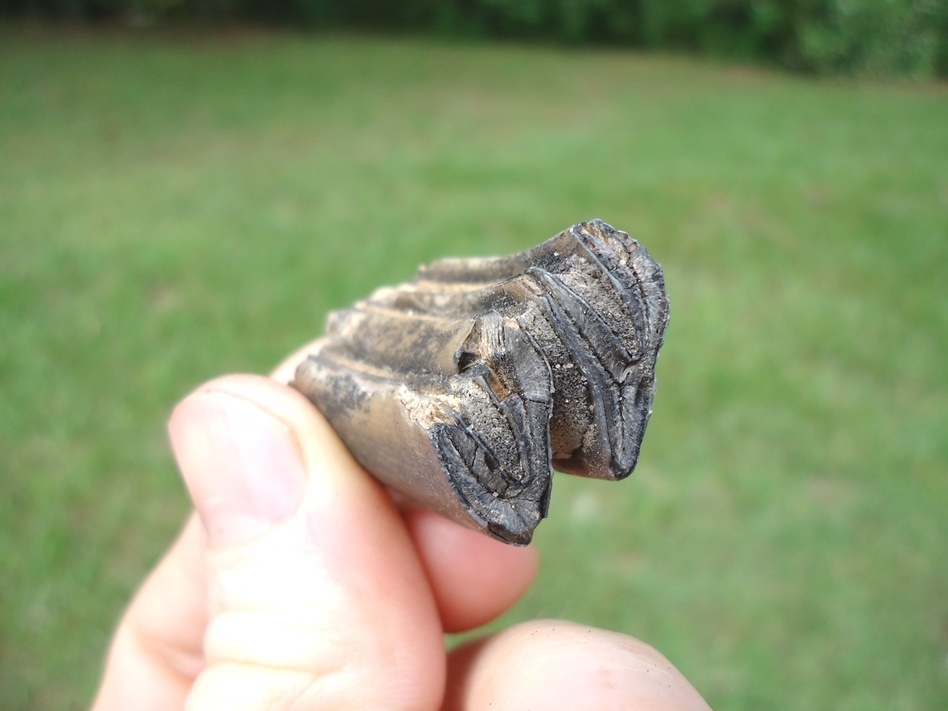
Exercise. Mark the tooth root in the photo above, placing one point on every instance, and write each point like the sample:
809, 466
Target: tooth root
461, 389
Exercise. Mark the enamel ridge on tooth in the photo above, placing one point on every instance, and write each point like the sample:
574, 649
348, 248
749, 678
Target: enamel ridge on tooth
464, 388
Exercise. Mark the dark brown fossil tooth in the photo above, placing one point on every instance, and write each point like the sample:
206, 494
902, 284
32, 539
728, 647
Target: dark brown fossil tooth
465, 387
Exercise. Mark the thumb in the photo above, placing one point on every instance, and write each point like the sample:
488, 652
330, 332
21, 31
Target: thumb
317, 598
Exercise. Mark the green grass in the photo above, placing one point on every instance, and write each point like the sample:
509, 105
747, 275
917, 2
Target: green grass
173, 208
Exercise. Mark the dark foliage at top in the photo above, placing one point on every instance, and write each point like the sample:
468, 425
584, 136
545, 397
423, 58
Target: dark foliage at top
877, 37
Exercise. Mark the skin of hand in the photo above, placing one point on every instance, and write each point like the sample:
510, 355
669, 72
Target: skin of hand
299, 584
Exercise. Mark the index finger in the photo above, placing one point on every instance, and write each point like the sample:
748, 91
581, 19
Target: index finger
467, 595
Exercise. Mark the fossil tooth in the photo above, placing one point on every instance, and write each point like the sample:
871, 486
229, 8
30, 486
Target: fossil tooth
463, 388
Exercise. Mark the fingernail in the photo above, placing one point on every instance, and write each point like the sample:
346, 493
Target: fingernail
242, 466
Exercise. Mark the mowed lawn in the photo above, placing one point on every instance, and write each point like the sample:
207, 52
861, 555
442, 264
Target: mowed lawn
177, 207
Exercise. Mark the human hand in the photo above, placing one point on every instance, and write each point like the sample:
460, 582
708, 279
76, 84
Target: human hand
298, 584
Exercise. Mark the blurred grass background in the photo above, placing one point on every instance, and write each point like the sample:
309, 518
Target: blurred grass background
175, 207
